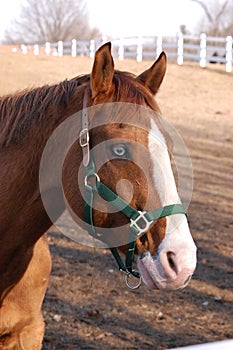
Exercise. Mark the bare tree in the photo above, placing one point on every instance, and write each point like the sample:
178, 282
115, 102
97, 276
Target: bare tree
219, 16
51, 20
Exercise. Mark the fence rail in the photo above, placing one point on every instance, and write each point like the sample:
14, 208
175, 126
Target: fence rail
181, 48
219, 345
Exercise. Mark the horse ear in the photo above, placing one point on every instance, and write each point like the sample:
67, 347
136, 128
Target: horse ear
153, 77
102, 71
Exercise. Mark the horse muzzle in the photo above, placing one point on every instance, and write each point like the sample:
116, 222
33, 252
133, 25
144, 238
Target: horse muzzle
167, 270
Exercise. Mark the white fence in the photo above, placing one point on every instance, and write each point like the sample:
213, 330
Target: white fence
181, 48
220, 345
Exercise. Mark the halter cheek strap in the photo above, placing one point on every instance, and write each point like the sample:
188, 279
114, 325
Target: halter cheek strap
140, 221
84, 134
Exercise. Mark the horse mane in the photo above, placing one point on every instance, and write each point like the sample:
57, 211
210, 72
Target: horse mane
20, 110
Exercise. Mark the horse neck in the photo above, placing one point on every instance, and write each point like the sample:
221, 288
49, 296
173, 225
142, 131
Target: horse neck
25, 138
24, 133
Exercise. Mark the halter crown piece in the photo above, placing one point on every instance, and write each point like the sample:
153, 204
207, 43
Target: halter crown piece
140, 221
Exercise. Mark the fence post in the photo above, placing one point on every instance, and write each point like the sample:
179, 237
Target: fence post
159, 45
121, 50
92, 48
24, 49
203, 50
139, 50
47, 48
60, 48
180, 49
36, 50
73, 48
229, 54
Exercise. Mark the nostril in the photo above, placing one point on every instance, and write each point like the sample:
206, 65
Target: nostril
174, 267
171, 261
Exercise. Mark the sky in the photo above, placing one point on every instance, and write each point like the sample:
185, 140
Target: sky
120, 18
143, 17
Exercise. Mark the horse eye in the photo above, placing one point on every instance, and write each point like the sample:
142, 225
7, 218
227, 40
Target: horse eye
120, 151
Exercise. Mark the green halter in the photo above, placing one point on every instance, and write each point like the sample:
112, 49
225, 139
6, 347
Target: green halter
139, 221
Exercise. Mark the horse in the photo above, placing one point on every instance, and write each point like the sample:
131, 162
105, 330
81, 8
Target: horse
134, 176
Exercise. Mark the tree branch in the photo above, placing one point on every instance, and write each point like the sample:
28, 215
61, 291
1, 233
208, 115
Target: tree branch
222, 10
50, 20
205, 8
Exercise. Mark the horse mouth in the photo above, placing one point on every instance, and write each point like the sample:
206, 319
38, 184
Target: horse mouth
147, 278
154, 274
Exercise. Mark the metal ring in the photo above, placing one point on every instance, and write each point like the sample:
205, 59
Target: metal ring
97, 179
132, 286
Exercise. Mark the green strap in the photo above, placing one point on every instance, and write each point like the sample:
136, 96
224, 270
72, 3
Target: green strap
88, 198
127, 267
115, 200
132, 213
165, 211
88, 218
124, 207
130, 251
88, 211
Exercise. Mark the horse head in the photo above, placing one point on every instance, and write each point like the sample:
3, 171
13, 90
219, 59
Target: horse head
124, 140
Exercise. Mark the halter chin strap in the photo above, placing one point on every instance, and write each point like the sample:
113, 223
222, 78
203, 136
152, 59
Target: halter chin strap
140, 222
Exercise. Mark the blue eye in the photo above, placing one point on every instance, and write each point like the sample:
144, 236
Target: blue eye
120, 151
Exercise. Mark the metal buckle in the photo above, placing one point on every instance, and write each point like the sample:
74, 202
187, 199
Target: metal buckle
84, 138
95, 179
146, 223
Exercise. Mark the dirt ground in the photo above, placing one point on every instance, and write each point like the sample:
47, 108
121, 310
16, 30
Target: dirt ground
88, 305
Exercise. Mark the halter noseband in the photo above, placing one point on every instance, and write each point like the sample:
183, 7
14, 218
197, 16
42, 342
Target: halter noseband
140, 221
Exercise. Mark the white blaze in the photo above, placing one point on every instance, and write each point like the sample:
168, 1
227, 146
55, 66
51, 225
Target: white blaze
162, 170
177, 235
